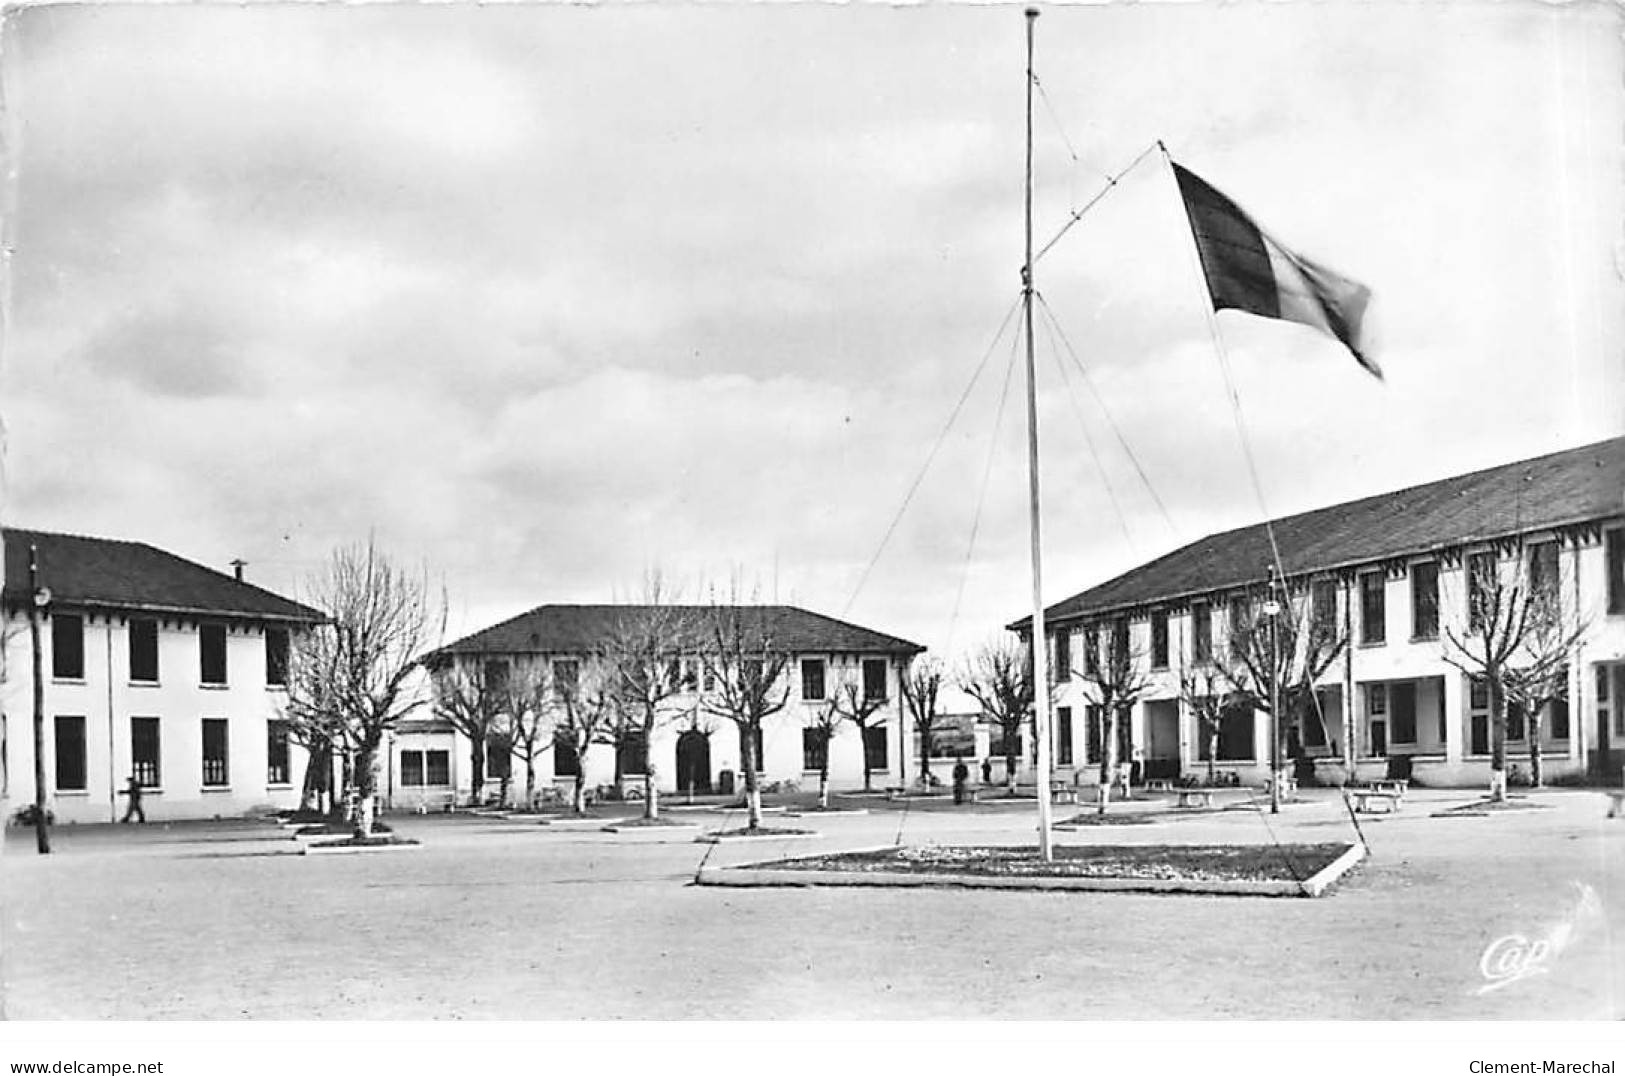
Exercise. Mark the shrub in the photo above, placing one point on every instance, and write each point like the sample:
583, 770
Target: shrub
24, 816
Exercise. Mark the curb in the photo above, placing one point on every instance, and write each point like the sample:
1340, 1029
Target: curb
356, 849
711, 838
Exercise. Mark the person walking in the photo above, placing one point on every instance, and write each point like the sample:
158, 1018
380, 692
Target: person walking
132, 789
987, 771
961, 775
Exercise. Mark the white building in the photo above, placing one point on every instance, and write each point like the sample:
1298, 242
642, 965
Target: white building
430, 762
1392, 571
153, 667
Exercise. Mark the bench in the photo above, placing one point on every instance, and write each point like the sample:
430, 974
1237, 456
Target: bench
1159, 784
895, 792
1394, 785
1366, 800
1196, 797
1616, 801
1063, 793
442, 800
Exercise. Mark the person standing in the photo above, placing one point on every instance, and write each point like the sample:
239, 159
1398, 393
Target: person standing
961, 775
987, 771
132, 789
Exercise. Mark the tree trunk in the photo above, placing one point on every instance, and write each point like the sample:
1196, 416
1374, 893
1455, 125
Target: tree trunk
1532, 730
863, 735
1212, 755
578, 795
925, 758
753, 794
530, 783
476, 772
651, 792
1498, 739
366, 790
823, 781
1108, 760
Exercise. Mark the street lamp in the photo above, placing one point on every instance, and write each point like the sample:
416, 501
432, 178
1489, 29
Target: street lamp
1272, 609
42, 600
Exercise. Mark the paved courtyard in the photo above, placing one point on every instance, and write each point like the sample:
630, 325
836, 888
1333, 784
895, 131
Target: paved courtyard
495, 919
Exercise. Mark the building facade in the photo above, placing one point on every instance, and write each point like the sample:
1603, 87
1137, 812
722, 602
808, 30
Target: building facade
153, 667
692, 749
1393, 575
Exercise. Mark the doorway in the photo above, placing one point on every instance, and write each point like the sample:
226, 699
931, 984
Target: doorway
1162, 740
694, 762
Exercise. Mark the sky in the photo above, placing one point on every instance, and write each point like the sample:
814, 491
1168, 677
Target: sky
545, 297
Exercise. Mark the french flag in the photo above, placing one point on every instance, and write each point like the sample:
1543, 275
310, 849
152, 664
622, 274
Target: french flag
1247, 270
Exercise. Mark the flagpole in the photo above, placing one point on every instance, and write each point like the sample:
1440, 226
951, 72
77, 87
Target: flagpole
1040, 645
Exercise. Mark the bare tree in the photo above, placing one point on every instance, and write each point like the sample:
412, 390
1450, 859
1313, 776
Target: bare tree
380, 619
745, 666
528, 716
1203, 690
587, 708
1115, 676
921, 686
850, 703
999, 677
1516, 640
314, 713
472, 699
1273, 659
646, 649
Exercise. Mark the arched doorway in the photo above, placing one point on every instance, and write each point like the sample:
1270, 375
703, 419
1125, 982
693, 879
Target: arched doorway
693, 761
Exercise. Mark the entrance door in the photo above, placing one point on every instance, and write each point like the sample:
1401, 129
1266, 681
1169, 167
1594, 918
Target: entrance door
1162, 741
693, 762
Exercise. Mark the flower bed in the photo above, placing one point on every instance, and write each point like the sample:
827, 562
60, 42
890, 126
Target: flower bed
1203, 863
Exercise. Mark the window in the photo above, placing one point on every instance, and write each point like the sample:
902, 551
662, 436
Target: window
144, 651
1063, 736
1159, 640
144, 752
67, 646
1063, 654
874, 679
276, 657
276, 753
1091, 652
70, 754
1323, 607
422, 769
1120, 652
1425, 600
1614, 541
566, 676
1515, 720
812, 680
1373, 608
1402, 707
814, 749
1543, 572
495, 675
1238, 626
498, 757
755, 742
566, 763
875, 753
632, 754
212, 651
1376, 699
1481, 587
216, 770
1094, 726
1558, 719
437, 767
1202, 632
1235, 736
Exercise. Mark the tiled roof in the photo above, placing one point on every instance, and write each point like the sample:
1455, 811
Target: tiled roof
113, 574
566, 629
1576, 486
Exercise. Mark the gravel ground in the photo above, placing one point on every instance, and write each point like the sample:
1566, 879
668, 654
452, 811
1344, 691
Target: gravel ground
508, 919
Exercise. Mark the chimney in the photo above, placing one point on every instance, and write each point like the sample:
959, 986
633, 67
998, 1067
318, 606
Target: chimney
237, 567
